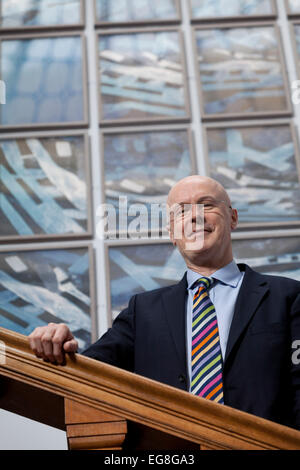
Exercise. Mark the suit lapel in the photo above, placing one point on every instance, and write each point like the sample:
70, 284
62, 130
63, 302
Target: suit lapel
252, 291
174, 303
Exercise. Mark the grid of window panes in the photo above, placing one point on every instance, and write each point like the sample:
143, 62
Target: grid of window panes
158, 66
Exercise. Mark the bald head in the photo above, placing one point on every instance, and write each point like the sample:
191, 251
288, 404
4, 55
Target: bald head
193, 183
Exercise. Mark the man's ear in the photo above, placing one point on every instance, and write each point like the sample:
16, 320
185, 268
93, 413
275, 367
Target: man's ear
234, 219
170, 223
171, 233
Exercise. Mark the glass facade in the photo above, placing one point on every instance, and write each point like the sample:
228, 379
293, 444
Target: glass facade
104, 105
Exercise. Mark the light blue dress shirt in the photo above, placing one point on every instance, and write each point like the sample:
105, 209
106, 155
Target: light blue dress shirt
223, 295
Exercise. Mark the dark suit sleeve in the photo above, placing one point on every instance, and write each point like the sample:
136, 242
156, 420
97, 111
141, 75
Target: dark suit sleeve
116, 346
295, 359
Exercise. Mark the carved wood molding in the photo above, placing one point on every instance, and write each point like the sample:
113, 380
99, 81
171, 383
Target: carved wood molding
129, 396
88, 428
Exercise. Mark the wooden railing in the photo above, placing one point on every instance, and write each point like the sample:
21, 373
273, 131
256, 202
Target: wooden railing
103, 407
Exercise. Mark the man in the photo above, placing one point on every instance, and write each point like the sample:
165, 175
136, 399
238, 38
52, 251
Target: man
224, 332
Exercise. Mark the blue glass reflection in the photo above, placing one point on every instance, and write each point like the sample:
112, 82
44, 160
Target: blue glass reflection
219, 8
39, 13
141, 76
131, 10
38, 287
42, 186
44, 80
258, 168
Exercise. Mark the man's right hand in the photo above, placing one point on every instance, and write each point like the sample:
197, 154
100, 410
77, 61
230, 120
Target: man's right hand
52, 341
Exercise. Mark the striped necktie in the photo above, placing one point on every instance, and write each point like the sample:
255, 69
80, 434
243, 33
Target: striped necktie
206, 380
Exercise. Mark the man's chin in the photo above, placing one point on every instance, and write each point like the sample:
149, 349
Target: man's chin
194, 244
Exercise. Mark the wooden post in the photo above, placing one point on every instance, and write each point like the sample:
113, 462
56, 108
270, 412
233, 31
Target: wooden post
89, 428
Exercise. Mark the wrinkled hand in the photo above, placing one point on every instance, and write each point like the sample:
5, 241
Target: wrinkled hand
52, 341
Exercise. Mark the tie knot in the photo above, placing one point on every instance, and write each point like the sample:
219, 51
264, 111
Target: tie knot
206, 282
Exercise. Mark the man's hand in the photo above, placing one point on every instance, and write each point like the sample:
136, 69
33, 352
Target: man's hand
52, 341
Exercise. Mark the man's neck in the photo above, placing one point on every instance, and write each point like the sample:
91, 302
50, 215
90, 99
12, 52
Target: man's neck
207, 269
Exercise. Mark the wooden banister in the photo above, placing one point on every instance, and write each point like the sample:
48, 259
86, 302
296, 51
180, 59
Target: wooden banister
95, 402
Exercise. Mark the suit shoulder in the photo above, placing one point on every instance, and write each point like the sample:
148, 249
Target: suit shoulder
278, 281
275, 282
155, 292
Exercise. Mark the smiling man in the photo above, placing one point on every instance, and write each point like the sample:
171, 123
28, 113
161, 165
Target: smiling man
203, 253
224, 332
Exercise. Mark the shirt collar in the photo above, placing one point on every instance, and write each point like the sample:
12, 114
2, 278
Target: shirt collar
229, 274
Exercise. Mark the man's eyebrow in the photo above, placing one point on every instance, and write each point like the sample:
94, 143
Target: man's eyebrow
202, 198
205, 198
180, 204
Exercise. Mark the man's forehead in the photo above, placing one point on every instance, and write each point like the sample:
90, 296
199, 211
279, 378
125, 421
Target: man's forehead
185, 190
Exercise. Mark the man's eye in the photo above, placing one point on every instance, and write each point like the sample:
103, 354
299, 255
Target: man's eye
178, 212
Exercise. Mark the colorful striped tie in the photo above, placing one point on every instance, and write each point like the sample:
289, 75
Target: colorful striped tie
206, 380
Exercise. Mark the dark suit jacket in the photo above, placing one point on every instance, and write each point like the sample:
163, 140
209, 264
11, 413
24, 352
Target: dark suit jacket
148, 338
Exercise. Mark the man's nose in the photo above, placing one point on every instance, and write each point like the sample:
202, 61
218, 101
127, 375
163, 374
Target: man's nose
198, 214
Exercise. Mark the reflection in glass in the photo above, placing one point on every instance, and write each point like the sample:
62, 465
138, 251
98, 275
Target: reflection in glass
240, 71
222, 8
297, 40
294, 6
43, 186
38, 287
19, 13
141, 76
275, 256
130, 10
143, 166
258, 168
44, 80
140, 268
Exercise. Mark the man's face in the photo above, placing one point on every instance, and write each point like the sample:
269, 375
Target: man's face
201, 232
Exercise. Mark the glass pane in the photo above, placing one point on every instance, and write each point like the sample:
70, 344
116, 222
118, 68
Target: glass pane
143, 167
141, 76
297, 40
241, 71
44, 80
223, 8
124, 11
38, 287
20, 13
258, 168
294, 6
275, 256
43, 186
139, 268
